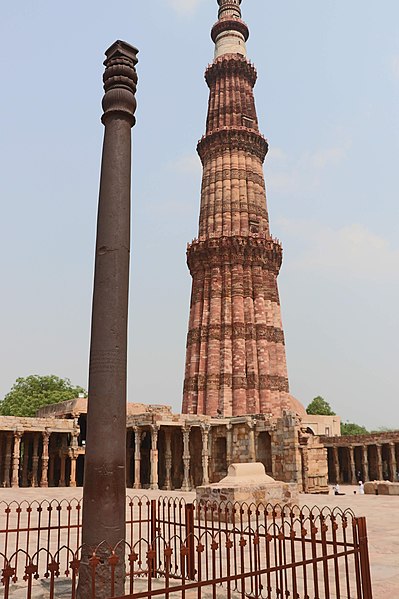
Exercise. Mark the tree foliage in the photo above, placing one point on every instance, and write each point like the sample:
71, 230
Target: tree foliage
350, 428
29, 394
319, 407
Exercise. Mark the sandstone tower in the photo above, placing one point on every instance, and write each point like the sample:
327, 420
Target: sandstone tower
235, 361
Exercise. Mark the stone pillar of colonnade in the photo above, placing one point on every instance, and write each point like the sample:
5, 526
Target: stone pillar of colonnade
72, 480
154, 457
365, 464
168, 459
186, 458
35, 460
305, 468
335, 461
229, 444
25, 462
351, 450
251, 440
16, 458
205, 453
137, 456
393, 466
379, 462
7, 460
45, 460
129, 458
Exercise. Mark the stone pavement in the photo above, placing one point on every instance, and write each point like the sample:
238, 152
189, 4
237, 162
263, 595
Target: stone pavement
382, 513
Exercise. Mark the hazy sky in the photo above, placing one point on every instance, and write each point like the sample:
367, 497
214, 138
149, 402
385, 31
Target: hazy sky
328, 102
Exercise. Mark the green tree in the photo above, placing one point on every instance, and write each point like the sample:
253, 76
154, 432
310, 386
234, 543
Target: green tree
29, 394
350, 428
319, 406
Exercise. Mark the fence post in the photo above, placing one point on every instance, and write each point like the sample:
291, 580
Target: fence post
154, 531
364, 558
190, 541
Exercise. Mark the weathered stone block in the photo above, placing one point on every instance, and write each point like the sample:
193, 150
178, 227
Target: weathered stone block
248, 483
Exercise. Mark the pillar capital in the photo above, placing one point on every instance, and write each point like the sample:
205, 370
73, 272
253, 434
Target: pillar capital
205, 428
120, 82
251, 423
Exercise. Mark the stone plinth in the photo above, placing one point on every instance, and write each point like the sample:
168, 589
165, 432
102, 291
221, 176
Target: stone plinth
381, 487
250, 484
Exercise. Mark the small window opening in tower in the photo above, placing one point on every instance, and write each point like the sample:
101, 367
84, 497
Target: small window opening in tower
247, 121
254, 226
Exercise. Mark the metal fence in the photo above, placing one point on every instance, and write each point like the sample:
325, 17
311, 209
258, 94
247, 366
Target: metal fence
179, 549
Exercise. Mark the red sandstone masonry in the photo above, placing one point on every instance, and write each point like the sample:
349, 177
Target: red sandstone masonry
235, 361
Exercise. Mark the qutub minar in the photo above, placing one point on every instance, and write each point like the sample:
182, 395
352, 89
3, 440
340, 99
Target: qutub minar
235, 361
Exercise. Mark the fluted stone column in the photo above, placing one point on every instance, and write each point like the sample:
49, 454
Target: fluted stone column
186, 458
379, 462
168, 459
72, 480
35, 460
251, 440
229, 443
45, 460
351, 450
392, 462
154, 457
7, 460
335, 463
105, 464
16, 458
365, 464
205, 453
137, 457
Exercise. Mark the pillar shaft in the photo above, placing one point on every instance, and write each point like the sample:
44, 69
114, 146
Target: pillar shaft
168, 459
105, 462
72, 481
15, 459
35, 460
137, 457
205, 454
45, 460
352, 465
154, 457
393, 463
379, 463
251, 441
229, 443
335, 462
365, 464
186, 459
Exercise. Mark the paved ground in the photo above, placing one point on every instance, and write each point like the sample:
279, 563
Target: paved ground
382, 513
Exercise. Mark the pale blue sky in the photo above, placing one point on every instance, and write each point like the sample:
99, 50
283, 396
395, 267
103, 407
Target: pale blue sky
327, 100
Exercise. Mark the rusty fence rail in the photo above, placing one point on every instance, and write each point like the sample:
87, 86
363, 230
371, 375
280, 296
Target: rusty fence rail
46, 528
230, 550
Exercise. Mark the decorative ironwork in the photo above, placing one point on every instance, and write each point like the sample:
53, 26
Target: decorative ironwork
233, 550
